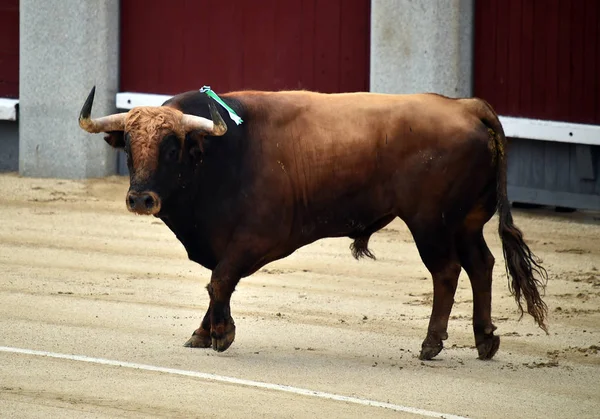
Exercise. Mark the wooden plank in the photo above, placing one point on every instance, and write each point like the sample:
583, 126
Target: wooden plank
354, 46
327, 46
577, 63
224, 70
516, 51
264, 44
9, 49
597, 79
259, 44
307, 45
554, 198
526, 74
590, 80
550, 39
484, 52
556, 166
585, 162
576, 184
564, 60
540, 30
501, 69
288, 31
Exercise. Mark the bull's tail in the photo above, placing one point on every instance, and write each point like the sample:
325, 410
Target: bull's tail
526, 274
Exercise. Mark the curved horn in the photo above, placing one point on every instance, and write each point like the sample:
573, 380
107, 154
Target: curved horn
216, 127
108, 123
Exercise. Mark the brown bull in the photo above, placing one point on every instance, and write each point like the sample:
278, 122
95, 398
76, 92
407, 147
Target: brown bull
305, 166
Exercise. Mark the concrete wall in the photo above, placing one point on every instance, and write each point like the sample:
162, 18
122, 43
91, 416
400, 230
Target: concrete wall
9, 146
422, 46
66, 47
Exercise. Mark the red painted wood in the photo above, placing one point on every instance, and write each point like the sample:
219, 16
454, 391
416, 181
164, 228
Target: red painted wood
516, 54
526, 44
169, 47
9, 48
502, 57
354, 56
591, 72
549, 109
539, 72
596, 78
545, 55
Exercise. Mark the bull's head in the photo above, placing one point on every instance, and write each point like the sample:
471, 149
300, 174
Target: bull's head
153, 139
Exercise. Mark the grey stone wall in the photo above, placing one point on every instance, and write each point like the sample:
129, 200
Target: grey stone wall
66, 47
422, 46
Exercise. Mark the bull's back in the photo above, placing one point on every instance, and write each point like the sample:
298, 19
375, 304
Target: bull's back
352, 158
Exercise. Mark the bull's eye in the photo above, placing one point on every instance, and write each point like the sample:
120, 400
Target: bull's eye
172, 154
169, 149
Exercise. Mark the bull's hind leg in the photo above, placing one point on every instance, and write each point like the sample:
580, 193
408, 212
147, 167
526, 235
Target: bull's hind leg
478, 262
438, 253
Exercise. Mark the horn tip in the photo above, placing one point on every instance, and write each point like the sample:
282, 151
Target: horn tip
220, 127
86, 110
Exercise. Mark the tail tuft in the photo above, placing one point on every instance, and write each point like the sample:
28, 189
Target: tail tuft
526, 274
360, 248
526, 270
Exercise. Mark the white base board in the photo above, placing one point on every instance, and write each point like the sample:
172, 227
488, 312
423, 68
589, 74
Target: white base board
8, 109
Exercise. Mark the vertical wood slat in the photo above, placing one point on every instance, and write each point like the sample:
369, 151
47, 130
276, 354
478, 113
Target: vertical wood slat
550, 109
484, 45
501, 68
545, 55
564, 58
591, 71
327, 47
524, 98
263, 44
9, 48
515, 55
577, 62
258, 44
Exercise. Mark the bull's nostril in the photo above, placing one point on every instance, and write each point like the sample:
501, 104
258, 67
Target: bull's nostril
131, 201
149, 202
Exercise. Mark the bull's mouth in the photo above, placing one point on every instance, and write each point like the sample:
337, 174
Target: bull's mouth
143, 203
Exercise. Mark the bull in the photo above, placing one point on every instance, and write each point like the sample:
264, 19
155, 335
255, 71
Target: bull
304, 166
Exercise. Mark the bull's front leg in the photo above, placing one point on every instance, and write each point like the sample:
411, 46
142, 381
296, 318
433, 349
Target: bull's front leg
201, 336
217, 329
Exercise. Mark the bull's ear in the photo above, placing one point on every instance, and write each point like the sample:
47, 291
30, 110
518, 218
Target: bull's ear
115, 139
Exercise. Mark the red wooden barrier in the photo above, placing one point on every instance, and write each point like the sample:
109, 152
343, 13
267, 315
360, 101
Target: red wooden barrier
169, 47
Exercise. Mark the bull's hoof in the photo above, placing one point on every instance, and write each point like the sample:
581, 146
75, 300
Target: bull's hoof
222, 336
200, 339
432, 345
488, 347
428, 352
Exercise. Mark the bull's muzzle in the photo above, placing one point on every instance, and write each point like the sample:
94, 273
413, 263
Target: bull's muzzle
146, 203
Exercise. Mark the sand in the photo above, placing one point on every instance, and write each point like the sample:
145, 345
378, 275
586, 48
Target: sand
80, 275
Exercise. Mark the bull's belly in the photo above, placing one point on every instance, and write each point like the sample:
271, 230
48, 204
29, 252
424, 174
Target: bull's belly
353, 225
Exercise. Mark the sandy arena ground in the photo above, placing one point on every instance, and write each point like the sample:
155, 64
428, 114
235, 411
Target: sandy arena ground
82, 276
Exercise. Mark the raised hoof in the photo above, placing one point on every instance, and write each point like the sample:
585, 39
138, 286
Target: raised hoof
432, 345
428, 352
200, 339
488, 348
222, 337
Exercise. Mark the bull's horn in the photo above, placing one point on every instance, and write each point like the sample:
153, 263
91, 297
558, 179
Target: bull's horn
108, 123
216, 127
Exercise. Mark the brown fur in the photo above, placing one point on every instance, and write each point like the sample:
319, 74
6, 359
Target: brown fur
146, 127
